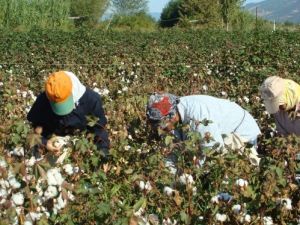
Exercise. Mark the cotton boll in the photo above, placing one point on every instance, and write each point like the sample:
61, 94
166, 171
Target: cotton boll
236, 208
4, 183
267, 220
71, 196
18, 151
142, 185
19, 210
51, 192
3, 193
14, 183
60, 204
186, 179
245, 218
168, 221
47, 214
30, 162
76, 169
215, 199
104, 92
140, 212
127, 147
246, 99
287, 203
168, 191
28, 222
221, 217
68, 169
3, 163
35, 216
241, 183
18, 198
148, 186
15, 221
194, 189
61, 141
54, 177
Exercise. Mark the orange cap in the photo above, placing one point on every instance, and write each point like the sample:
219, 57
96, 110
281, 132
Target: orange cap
58, 87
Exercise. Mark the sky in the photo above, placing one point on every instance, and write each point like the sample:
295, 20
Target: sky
158, 5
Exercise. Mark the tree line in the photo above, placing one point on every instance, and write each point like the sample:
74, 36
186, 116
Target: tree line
130, 14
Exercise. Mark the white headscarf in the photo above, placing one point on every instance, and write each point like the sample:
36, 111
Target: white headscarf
78, 89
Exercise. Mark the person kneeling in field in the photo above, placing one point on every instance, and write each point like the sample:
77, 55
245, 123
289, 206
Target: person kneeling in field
63, 108
282, 99
166, 111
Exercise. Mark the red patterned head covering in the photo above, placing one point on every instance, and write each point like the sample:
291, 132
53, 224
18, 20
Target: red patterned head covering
161, 105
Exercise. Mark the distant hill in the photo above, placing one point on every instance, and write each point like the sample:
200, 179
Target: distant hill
278, 10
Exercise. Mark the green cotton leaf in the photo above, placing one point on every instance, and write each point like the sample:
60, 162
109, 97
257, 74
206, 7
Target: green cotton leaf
95, 160
43, 221
184, 217
129, 171
140, 204
249, 193
205, 122
103, 208
279, 172
122, 221
169, 140
92, 120
115, 189
282, 182
33, 139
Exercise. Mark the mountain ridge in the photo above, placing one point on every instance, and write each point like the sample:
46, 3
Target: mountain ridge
278, 10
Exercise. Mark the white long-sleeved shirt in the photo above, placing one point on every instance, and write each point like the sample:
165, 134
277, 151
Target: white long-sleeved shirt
226, 116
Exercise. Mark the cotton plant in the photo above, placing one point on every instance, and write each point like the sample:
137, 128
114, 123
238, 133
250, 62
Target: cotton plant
17, 151
169, 191
47, 187
186, 179
241, 183
17, 199
59, 141
221, 217
145, 186
236, 208
267, 220
245, 218
54, 177
69, 169
285, 203
169, 221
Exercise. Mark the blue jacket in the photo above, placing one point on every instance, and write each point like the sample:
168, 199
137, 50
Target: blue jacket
90, 103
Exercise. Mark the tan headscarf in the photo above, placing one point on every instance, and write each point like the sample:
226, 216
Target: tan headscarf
291, 94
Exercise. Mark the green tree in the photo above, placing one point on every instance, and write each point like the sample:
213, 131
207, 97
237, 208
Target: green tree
88, 12
137, 22
229, 10
201, 12
170, 14
187, 12
129, 7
